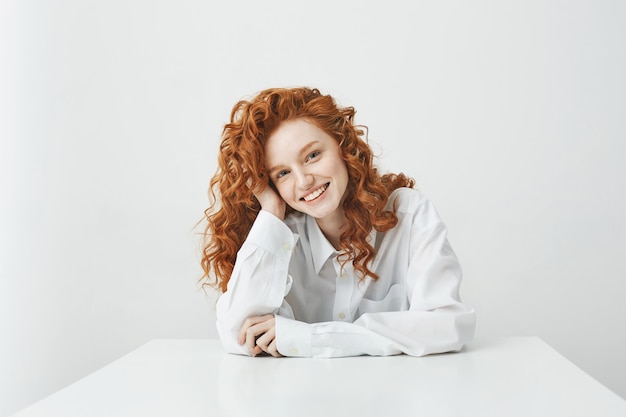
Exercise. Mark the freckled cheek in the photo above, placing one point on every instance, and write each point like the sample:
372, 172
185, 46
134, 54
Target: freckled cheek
283, 192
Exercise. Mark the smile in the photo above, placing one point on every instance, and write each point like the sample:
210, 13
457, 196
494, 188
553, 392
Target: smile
315, 194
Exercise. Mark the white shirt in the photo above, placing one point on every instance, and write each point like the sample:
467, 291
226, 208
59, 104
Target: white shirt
290, 269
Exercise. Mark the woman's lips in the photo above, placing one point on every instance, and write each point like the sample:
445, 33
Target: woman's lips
315, 194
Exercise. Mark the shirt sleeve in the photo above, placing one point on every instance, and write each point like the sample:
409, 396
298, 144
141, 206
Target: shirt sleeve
260, 279
436, 321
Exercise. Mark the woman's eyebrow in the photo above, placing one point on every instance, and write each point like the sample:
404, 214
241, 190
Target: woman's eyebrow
308, 146
303, 151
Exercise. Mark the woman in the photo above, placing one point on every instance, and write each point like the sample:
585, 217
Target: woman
317, 254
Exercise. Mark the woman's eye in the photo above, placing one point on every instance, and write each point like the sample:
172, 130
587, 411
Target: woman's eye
313, 155
282, 173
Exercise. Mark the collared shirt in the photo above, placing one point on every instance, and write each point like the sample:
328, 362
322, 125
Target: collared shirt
322, 309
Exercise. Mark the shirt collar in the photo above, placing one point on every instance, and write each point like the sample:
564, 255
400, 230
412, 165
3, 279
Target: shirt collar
320, 246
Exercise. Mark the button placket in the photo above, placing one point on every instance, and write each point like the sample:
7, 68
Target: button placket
343, 292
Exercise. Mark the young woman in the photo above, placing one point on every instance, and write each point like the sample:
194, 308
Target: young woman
316, 253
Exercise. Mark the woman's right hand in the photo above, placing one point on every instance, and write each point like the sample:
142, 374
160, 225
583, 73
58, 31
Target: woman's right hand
272, 202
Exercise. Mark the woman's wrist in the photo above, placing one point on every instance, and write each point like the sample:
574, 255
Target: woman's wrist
276, 211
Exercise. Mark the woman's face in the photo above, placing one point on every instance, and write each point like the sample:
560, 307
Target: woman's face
306, 166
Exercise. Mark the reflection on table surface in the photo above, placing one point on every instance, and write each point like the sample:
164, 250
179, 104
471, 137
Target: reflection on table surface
490, 377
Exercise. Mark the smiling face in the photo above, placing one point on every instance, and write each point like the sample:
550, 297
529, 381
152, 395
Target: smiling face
307, 168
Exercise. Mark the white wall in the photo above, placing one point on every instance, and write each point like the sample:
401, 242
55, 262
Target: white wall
507, 113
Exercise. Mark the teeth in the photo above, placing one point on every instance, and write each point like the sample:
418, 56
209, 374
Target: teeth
316, 193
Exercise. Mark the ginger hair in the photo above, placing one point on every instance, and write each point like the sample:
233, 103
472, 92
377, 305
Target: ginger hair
242, 170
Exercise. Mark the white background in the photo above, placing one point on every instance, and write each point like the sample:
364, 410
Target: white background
510, 116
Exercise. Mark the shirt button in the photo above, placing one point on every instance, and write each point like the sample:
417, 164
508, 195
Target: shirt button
286, 246
343, 275
342, 316
293, 351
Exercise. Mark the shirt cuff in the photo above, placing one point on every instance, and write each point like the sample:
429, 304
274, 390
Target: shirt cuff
272, 234
293, 338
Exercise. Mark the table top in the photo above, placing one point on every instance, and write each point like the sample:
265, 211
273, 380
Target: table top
520, 376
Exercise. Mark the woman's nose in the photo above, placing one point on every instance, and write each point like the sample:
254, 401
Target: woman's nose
304, 179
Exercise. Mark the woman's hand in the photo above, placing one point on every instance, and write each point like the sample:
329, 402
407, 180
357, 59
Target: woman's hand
259, 334
272, 202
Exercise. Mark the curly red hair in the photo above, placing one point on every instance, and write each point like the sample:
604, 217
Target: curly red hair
242, 170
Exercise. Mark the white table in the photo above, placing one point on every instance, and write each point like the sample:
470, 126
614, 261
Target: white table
501, 377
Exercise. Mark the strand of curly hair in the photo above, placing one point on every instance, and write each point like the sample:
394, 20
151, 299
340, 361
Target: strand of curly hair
242, 172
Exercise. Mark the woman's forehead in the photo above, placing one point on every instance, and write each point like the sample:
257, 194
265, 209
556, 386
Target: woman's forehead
294, 138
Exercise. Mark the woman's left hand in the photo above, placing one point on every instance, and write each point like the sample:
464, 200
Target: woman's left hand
259, 334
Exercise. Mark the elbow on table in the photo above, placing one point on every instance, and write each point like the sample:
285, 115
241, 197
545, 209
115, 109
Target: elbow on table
465, 324
451, 334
